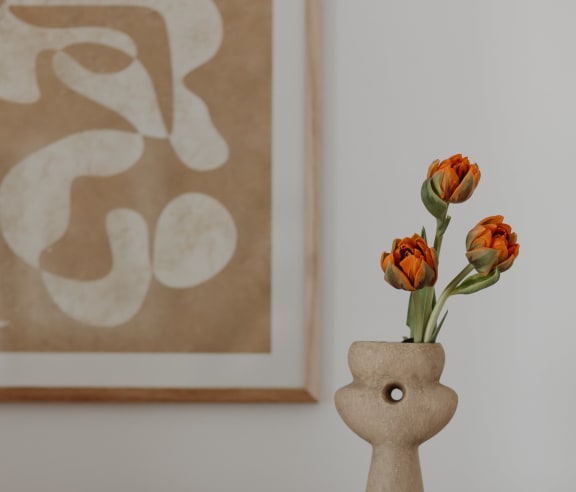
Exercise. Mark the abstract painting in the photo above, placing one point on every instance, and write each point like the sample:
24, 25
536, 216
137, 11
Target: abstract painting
135, 165
137, 189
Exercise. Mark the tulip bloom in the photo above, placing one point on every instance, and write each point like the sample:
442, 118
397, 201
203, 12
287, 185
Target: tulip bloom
411, 265
454, 179
491, 244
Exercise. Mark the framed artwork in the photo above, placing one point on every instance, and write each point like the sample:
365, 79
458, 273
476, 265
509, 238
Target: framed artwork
159, 171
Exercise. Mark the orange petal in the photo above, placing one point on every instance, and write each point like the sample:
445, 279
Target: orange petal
433, 167
464, 190
396, 278
384, 260
425, 276
493, 219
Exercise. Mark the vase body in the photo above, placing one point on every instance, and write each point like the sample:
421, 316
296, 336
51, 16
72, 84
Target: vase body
395, 402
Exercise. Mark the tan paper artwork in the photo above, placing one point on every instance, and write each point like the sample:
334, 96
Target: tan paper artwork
135, 167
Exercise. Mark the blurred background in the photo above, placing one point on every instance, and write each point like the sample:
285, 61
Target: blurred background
404, 83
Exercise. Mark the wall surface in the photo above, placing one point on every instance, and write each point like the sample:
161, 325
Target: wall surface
405, 83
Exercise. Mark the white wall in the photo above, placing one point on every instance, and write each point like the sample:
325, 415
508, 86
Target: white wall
405, 82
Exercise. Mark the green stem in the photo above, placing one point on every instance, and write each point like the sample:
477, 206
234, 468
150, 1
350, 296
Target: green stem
438, 237
428, 305
441, 225
422, 303
429, 334
418, 332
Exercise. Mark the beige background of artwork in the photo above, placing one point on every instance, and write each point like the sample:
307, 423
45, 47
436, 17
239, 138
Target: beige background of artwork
204, 318
290, 372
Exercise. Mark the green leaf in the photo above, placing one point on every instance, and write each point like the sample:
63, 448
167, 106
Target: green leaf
477, 282
411, 317
415, 318
439, 326
433, 203
423, 235
443, 224
441, 322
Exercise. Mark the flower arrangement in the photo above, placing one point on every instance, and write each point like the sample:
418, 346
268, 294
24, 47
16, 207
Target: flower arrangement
412, 265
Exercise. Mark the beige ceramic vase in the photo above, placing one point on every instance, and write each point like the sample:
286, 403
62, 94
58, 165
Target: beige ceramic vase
396, 402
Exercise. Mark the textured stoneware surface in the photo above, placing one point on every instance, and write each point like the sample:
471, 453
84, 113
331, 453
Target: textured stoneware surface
396, 402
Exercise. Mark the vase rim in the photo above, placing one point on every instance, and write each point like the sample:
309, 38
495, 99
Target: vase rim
369, 358
408, 344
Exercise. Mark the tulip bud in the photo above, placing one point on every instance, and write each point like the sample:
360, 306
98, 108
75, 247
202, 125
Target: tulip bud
411, 265
454, 179
491, 244
433, 203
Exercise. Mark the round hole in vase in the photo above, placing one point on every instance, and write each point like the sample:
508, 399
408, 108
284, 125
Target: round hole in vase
393, 392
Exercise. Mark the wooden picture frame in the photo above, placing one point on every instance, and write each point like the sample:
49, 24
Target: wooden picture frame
18, 379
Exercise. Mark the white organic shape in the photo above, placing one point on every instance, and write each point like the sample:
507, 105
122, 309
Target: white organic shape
195, 239
195, 33
195, 37
195, 29
21, 43
129, 92
116, 298
35, 194
194, 26
194, 138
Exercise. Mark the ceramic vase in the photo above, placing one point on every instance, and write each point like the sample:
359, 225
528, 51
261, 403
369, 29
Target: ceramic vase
395, 402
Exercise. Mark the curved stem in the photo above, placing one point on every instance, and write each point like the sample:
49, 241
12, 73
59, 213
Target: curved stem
441, 225
438, 237
429, 334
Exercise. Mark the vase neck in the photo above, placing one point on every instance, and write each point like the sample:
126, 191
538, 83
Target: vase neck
395, 469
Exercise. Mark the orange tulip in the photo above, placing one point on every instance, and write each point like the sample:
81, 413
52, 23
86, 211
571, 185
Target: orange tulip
491, 244
411, 265
454, 179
